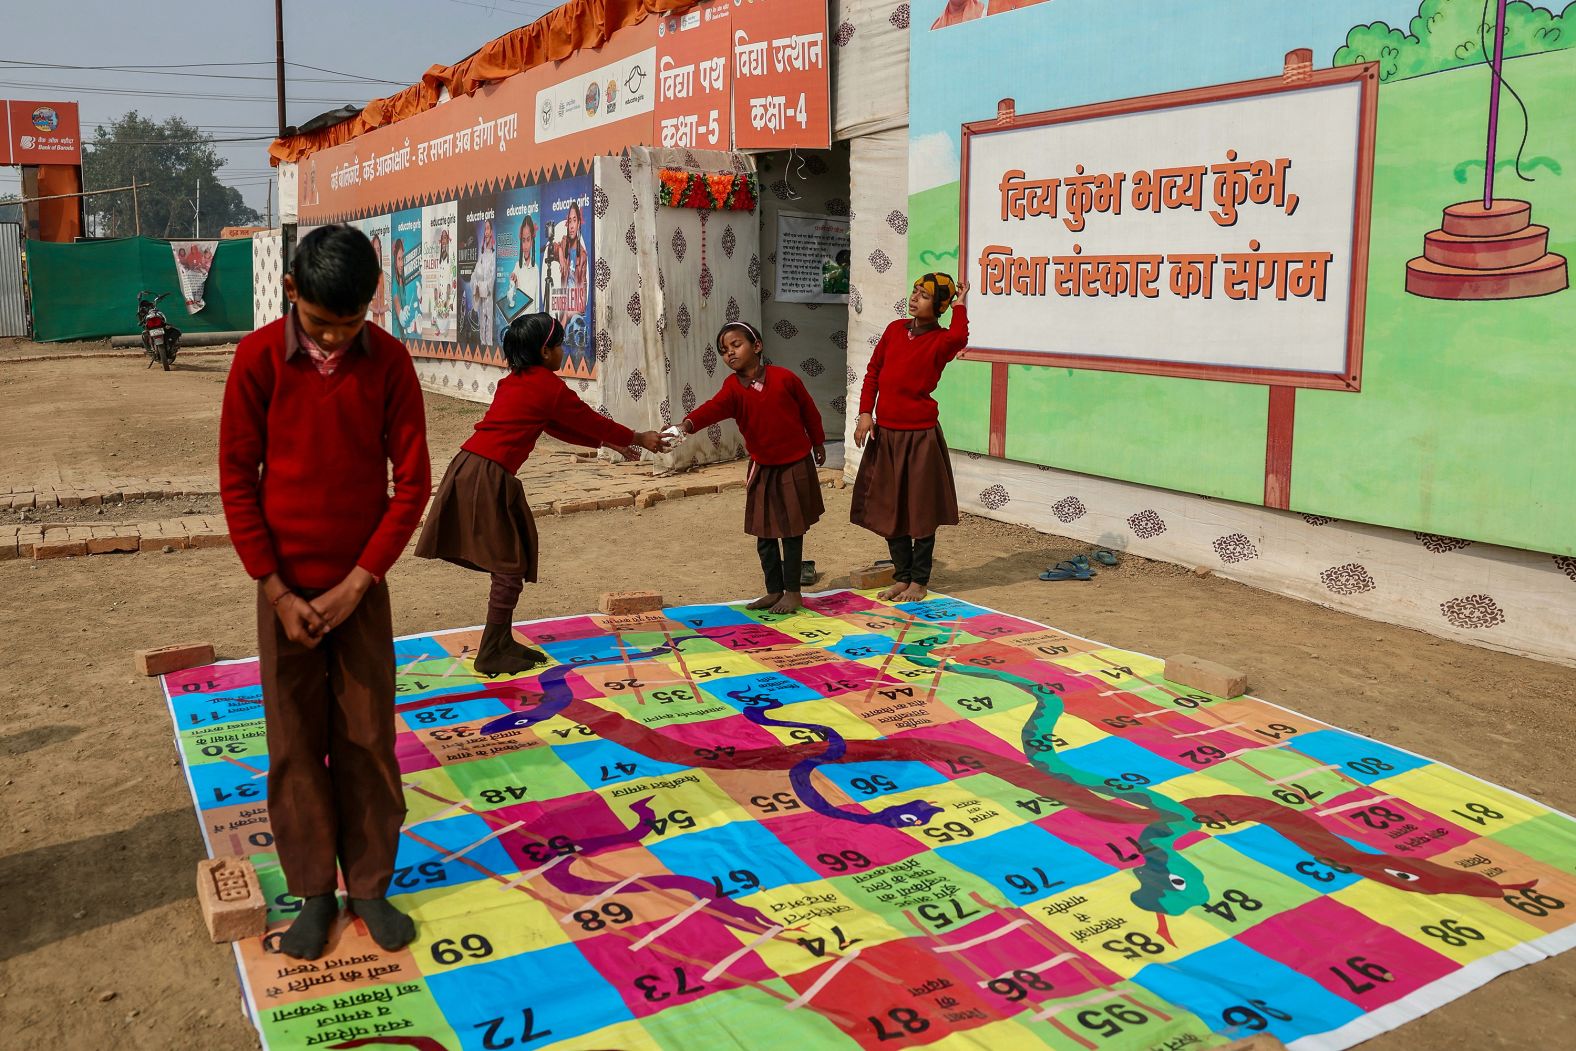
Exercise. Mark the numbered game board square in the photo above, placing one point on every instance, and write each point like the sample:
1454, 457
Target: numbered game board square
872, 780
749, 1017
1025, 864
241, 831
535, 773
352, 964
230, 783
539, 830
667, 705
459, 926
817, 922
923, 894
766, 794
223, 742
840, 848
938, 609
1014, 960
552, 992
747, 691
1473, 805
214, 679
412, 753
1518, 885
1125, 1015
1548, 835
676, 805
1274, 851
1118, 762
1113, 843
1389, 824
864, 647
833, 678
433, 712
1188, 743
1100, 918
1459, 926
419, 648
744, 857
1229, 985
1359, 758
893, 709
927, 1005
1347, 953
207, 710
1290, 779
1009, 726
635, 677
588, 650
961, 738
599, 763
710, 743
837, 603
538, 632
1009, 629
443, 853
707, 616
655, 966
747, 637
395, 1009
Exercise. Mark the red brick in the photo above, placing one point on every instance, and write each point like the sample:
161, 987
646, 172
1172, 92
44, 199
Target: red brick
624, 603
574, 507
1200, 674
151, 542
233, 906
71, 499
60, 548
674, 492
866, 577
649, 498
10, 547
167, 659
609, 503
700, 488
200, 540
737, 483
107, 544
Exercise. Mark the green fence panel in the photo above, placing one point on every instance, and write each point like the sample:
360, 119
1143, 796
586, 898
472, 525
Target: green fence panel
89, 290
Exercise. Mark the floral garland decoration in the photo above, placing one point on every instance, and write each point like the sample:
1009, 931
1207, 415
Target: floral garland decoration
707, 191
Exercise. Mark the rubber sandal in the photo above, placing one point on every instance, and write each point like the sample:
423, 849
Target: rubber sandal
807, 574
1068, 570
1105, 556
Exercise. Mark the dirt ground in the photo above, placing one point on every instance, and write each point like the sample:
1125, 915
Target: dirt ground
103, 945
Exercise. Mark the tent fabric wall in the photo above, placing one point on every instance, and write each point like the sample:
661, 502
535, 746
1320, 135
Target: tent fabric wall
673, 277
869, 66
809, 338
879, 286
89, 290
268, 293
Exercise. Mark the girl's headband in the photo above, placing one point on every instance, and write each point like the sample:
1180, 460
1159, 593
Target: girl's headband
749, 330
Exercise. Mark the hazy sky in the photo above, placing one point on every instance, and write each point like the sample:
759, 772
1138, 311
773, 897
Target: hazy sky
392, 40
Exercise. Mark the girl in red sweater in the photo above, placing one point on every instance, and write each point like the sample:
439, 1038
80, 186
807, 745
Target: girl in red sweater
904, 489
480, 518
782, 433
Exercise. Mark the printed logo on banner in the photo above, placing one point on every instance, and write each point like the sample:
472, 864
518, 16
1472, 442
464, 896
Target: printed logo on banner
578, 101
45, 118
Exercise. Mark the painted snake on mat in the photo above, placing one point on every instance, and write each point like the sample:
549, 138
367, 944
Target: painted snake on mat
1169, 884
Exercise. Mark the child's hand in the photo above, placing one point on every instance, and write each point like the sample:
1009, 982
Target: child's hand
819, 452
336, 604
863, 428
963, 293
303, 625
651, 441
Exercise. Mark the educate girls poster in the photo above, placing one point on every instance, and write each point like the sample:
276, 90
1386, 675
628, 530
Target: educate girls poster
520, 240
477, 324
566, 283
379, 230
439, 270
405, 274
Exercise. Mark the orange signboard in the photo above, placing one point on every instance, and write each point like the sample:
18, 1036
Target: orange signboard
782, 95
41, 133
695, 78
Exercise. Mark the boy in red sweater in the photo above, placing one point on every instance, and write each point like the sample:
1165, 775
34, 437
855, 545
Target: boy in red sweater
782, 432
316, 407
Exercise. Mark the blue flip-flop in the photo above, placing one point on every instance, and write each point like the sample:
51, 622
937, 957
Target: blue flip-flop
1068, 569
1105, 556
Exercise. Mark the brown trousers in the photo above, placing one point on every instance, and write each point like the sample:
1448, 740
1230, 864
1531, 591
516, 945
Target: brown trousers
334, 702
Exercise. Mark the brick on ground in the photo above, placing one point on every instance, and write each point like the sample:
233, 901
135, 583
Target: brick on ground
166, 659
59, 548
624, 603
1208, 676
608, 503
574, 507
864, 578
233, 906
649, 498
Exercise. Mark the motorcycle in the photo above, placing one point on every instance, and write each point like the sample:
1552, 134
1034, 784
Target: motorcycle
160, 339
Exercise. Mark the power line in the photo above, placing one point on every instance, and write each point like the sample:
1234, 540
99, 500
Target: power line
78, 89
9, 63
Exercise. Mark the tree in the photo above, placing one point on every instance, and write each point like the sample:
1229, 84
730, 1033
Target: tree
1447, 34
169, 162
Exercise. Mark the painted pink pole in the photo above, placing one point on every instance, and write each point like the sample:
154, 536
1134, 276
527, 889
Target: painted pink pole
1493, 105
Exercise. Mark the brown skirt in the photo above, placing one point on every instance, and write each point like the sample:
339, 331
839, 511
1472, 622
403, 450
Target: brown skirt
480, 520
783, 500
904, 486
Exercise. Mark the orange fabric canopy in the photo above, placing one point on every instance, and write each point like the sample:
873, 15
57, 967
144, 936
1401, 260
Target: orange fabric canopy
576, 25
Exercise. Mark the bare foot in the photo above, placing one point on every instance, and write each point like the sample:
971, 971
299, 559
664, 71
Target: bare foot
789, 603
891, 593
914, 593
766, 601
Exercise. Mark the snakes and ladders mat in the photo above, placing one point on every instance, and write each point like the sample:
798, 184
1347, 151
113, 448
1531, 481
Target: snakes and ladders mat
872, 826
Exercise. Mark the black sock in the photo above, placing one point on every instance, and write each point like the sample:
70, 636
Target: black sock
309, 933
389, 927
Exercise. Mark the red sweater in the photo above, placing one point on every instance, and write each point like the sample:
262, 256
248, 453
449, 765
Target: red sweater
779, 422
304, 458
904, 371
530, 402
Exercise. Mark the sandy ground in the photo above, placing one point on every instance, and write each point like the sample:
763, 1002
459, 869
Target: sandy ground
98, 842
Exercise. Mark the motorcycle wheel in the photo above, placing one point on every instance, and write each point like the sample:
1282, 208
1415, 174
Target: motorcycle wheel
165, 356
